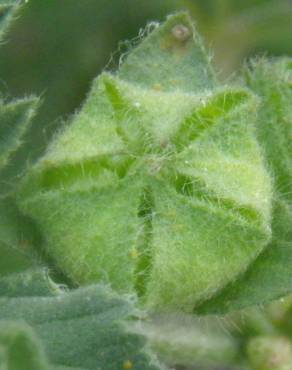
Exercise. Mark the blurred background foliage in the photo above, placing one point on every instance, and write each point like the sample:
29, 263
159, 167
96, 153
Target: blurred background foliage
57, 47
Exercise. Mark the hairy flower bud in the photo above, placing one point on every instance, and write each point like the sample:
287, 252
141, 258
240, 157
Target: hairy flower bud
158, 186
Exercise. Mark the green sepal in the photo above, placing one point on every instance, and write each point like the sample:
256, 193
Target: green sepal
170, 58
270, 277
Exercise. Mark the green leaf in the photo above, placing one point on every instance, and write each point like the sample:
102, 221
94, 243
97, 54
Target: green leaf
7, 10
85, 328
14, 120
270, 277
193, 342
15, 116
20, 347
29, 283
17, 237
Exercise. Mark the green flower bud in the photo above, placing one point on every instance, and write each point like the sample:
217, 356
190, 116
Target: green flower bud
158, 186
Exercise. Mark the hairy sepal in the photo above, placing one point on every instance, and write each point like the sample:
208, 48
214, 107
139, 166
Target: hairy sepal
269, 277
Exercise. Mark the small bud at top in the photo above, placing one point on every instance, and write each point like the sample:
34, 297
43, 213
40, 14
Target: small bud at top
181, 32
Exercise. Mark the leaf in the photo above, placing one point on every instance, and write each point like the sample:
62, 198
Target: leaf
14, 120
20, 348
15, 116
29, 283
17, 237
270, 277
193, 342
7, 11
85, 328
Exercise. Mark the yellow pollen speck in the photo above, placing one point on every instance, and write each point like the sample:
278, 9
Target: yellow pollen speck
178, 227
171, 214
127, 365
47, 162
174, 82
157, 87
133, 253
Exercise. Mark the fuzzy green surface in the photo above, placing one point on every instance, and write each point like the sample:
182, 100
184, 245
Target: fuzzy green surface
270, 277
14, 119
7, 11
17, 237
153, 189
15, 115
52, 329
193, 342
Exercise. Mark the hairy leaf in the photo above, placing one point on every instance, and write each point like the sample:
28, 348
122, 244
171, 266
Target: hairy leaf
85, 328
16, 115
17, 237
194, 342
7, 10
14, 120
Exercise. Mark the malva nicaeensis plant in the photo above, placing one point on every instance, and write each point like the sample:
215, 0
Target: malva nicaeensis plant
188, 183
165, 184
